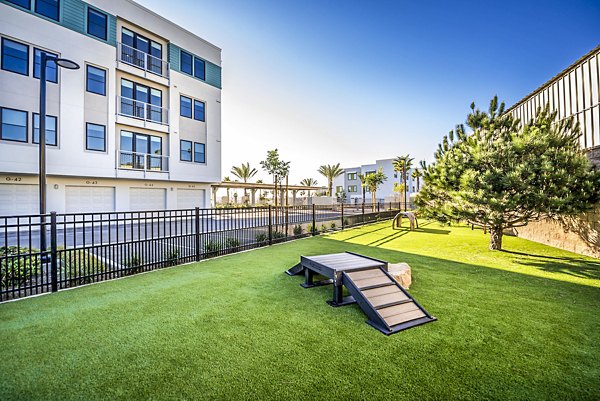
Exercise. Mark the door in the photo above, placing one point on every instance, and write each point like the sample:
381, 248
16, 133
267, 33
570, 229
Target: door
19, 199
190, 198
89, 199
147, 199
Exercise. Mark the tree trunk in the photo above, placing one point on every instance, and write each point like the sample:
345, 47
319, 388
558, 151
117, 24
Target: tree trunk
495, 238
374, 200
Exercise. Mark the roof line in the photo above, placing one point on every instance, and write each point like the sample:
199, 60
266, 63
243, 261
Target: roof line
564, 72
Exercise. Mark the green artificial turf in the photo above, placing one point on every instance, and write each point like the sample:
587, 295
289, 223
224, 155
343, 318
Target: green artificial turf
519, 324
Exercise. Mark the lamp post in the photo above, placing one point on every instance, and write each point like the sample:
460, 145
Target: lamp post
64, 63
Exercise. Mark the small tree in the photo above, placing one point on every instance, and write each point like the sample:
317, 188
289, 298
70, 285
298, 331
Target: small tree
373, 181
363, 185
308, 182
330, 171
244, 173
403, 164
417, 174
504, 176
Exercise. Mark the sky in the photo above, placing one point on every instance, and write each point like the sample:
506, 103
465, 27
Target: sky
351, 82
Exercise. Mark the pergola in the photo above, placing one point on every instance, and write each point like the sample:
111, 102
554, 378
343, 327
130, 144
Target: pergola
253, 187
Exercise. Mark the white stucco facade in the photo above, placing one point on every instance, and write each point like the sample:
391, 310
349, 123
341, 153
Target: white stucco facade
113, 176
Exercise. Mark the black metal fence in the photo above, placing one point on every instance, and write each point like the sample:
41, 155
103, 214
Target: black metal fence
90, 247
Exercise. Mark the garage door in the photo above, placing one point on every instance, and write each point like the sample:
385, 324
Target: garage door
19, 199
190, 198
147, 199
89, 199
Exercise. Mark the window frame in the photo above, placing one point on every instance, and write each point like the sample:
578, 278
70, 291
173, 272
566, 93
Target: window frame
203, 119
23, 7
87, 147
181, 97
352, 176
35, 10
203, 77
181, 141
37, 49
4, 39
87, 88
26, 125
352, 188
203, 153
33, 114
93, 10
181, 54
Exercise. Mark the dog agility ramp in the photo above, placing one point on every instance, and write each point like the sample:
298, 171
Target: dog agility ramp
388, 306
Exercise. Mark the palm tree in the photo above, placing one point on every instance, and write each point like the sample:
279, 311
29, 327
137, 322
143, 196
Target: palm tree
227, 179
403, 164
330, 172
308, 182
244, 173
373, 181
363, 185
260, 193
417, 174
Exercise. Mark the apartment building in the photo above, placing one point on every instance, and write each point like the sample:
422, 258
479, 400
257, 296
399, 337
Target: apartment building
137, 127
574, 92
349, 182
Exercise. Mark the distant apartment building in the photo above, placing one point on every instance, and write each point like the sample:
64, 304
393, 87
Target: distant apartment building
137, 127
574, 92
349, 182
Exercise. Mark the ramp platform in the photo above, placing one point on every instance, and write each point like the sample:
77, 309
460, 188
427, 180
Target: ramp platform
389, 307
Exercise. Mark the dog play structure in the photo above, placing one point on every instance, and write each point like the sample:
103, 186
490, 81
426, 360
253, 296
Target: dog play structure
388, 306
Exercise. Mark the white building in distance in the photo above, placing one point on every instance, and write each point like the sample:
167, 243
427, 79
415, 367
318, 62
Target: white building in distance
137, 127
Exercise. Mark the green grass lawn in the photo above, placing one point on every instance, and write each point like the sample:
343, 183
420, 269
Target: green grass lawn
519, 324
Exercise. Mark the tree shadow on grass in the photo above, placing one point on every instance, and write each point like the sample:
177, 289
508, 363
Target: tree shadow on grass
565, 265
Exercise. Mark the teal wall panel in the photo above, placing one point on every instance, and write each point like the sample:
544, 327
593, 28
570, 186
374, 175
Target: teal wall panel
213, 74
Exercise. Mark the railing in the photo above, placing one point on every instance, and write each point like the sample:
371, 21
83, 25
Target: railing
140, 59
141, 110
90, 247
142, 161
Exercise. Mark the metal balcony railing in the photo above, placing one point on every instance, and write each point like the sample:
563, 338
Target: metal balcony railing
140, 59
142, 161
144, 111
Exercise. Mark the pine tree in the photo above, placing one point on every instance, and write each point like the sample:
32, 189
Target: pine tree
504, 175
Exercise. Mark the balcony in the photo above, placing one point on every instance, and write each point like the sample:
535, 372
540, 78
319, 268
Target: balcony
146, 112
144, 61
142, 161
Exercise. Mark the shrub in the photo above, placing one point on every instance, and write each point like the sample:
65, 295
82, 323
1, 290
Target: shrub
323, 228
171, 256
309, 228
261, 238
77, 265
16, 271
231, 242
134, 264
212, 246
297, 229
332, 225
278, 235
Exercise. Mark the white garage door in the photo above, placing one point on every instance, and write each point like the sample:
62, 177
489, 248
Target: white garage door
89, 199
19, 199
147, 199
190, 198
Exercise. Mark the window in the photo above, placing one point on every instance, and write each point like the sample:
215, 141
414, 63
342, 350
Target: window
48, 8
95, 80
15, 57
135, 48
51, 124
198, 110
186, 151
14, 125
97, 23
185, 106
352, 188
140, 101
140, 151
352, 176
199, 154
186, 62
23, 3
370, 172
95, 137
199, 68
51, 68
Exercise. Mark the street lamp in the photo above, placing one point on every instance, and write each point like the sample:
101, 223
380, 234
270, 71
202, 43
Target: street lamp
64, 63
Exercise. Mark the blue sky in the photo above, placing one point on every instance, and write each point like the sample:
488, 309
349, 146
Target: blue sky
351, 82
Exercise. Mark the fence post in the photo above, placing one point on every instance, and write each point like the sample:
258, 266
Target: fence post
378, 206
314, 221
197, 223
342, 215
53, 253
270, 226
363, 213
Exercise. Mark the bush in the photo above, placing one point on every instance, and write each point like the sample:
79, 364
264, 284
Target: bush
134, 264
323, 228
77, 265
333, 226
16, 271
172, 256
278, 235
261, 238
297, 229
231, 242
212, 246
309, 228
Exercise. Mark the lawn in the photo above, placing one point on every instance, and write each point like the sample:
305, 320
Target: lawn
519, 324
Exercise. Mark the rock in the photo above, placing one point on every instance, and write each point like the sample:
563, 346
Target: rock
401, 272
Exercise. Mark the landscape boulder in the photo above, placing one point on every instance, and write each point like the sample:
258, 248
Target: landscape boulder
401, 272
